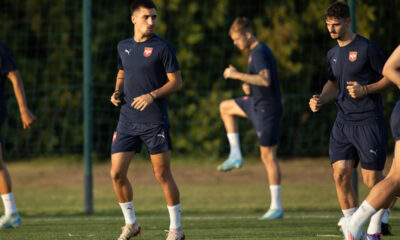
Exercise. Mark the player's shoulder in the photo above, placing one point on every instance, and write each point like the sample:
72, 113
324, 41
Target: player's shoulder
161, 42
261, 49
124, 42
332, 51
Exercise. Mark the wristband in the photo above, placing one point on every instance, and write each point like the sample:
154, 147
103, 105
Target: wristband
117, 91
152, 96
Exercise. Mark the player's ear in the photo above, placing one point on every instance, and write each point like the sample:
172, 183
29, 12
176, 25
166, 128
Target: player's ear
133, 18
348, 21
248, 35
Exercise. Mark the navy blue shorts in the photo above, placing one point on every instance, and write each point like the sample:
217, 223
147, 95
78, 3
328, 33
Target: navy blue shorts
130, 136
363, 143
395, 122
265, 122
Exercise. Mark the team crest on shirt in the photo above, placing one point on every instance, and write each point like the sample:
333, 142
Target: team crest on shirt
249, 60
147, 51
352, 56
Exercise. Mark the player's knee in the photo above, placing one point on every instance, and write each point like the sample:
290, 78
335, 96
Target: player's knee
341, 177
162, 175
371, 181
117, 176
223, 107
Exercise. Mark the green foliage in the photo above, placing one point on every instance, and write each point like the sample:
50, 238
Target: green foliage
46, 39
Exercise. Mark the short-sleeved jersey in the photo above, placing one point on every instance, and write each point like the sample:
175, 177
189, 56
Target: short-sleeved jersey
360, 61
7, 64
145, 66
260, 58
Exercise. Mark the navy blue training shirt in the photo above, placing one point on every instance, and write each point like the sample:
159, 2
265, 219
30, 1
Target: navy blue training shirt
145, 66
260, 58
360, 61
7, 64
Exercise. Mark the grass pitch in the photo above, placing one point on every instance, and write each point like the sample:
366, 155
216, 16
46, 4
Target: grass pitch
214, 205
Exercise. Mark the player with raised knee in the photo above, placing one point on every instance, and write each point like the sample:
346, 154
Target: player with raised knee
385, 191
358, 134
148, 71
261, 105
8, 69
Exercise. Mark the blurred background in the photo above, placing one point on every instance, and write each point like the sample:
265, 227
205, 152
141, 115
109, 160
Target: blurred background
45, 37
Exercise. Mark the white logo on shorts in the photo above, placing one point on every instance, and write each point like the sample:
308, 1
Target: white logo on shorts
161, 135
259, 134
374, 152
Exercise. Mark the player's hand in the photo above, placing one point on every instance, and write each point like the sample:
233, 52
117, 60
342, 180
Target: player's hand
315, 103
229, 71
356, 90
115, 98
246, 88
27, 119
141, 102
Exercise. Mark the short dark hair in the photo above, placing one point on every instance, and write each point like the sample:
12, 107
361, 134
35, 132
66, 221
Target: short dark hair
241, 25
135, 5
339, 10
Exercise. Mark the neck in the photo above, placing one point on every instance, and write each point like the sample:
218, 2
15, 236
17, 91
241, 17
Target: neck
142, 37
254, 42
346, 39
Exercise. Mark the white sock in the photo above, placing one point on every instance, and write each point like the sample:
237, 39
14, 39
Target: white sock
129, 212
375, 223
385, 218
361, 216
9, 204
234, 143
174, 216
349, 212
275, 197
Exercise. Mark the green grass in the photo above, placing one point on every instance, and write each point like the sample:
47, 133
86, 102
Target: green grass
209, 211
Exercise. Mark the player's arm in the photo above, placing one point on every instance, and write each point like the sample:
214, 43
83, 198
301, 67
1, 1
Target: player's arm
119, 86
26, 116
329, 92
260, 79
391, 70
358, 91
173, 85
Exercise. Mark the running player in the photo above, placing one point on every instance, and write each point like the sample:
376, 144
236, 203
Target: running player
8, 69
385, 191
358, 134
263, 108
148, 71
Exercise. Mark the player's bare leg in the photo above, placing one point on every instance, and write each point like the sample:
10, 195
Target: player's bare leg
228, 110
5, 179
270, 161
342, 171
119, 170
11, 217
123, 190
163, 174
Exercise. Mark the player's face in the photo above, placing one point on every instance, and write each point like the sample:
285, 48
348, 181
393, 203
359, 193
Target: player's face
144, 20
239, 40
337, 27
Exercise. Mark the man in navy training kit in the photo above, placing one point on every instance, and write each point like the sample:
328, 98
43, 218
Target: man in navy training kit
263, 108
383, 193
358, 134
148, 71
8, 69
